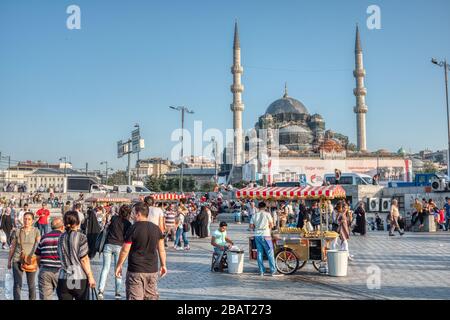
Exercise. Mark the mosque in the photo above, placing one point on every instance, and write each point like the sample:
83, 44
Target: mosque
305, 145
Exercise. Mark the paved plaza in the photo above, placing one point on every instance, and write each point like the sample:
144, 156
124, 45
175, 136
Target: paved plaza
416, 266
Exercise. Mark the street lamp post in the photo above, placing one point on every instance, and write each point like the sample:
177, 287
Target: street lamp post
213, 140
65, 172
106, 169
446, 67
137, 169
183, 110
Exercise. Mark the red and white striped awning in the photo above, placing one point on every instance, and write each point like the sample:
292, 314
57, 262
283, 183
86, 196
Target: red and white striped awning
168, 196
112, 200
281, 193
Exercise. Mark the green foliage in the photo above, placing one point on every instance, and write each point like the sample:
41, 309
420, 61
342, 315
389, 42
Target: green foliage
162, 184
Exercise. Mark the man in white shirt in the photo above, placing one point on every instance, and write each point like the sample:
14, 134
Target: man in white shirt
262, 223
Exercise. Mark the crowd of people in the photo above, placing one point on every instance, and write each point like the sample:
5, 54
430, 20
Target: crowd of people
58, 250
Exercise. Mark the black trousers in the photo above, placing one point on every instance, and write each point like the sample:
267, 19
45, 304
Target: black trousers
72, 289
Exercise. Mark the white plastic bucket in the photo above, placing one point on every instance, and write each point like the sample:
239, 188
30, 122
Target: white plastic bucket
337, 263
235, 262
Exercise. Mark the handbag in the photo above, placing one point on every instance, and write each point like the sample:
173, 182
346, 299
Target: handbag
101, 240
186, 227
91, 294
25, 266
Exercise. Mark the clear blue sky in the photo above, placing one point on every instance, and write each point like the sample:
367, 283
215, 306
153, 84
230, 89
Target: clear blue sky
77, 92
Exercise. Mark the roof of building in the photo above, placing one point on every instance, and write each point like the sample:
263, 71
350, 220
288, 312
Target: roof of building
42, 171
193, 172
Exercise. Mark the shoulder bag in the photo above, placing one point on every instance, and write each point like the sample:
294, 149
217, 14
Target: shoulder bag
26, 264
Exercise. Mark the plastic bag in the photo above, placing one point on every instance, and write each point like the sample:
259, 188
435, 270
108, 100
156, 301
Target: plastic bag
2, 236
9, 284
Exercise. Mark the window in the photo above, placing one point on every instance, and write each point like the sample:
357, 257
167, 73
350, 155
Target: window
346, 180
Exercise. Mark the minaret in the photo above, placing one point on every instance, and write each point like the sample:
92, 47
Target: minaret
237, 106
360, 93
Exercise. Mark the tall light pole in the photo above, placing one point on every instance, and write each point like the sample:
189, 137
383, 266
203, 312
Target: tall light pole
446, 67
65, 172
106, 169
183, 110
213, 140
137, 169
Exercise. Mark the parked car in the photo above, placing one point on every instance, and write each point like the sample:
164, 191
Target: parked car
354, 179
131, 189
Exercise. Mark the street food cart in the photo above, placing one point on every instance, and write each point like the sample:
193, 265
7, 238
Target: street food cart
294, 247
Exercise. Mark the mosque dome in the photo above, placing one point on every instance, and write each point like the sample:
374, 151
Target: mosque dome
286, 105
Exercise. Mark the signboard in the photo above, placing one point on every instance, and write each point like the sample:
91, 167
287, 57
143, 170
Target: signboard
135, 141
291, 169
119, 149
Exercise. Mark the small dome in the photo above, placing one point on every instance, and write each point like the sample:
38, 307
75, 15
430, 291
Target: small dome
401, 151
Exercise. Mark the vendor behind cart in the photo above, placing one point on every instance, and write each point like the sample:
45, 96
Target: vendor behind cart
220, 242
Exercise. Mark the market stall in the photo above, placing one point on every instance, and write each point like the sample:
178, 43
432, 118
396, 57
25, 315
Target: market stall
167, 196
294, 247
106, 200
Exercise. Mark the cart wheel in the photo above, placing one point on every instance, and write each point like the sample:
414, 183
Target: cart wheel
316, 265
286, 262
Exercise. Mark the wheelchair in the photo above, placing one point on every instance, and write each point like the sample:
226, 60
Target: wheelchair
223, 263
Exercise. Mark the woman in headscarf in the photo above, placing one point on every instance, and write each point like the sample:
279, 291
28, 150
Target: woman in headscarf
202, 222
360, 226
6, 224
93, 229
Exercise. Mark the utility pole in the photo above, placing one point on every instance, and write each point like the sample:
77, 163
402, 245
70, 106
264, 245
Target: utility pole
87, 168
106, 170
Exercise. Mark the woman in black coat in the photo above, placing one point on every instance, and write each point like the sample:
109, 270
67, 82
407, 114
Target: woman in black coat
6, 224
93, 229
202, 223
360, 226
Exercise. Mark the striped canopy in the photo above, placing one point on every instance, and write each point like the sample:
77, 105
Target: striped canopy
112, 200
284, 193
169, 196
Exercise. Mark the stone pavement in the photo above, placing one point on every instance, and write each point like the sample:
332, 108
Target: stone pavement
416, 266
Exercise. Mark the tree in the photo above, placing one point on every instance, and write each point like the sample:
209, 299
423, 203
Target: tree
118, 177
154, 183
429, 167
207, 187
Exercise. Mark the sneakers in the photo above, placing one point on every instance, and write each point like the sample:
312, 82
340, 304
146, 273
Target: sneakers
179, 248
261, 274
276, 274
350, 257
118, 296
402, 233
391, 235
100, 296
187, 248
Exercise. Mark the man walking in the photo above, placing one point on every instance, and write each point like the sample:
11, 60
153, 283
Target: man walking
48, 260
262, 223
144, 242
43, 215
447, 213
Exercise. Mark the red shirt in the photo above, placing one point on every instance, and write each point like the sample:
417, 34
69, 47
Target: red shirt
43, 215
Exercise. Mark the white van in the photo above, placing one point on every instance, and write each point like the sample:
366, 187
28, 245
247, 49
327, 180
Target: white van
131, 189
354, 179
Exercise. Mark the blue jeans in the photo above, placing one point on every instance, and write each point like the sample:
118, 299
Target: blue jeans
43, 228
265, 245
110, 250
237, 216
181, 233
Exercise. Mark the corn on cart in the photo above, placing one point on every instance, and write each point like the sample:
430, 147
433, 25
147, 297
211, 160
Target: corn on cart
295, 247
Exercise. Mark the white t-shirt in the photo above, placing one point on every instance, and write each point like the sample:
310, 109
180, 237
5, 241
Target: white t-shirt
261, 220
154, 214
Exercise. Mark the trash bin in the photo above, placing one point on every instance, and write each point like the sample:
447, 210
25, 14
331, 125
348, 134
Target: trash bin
337, 263
235, 262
